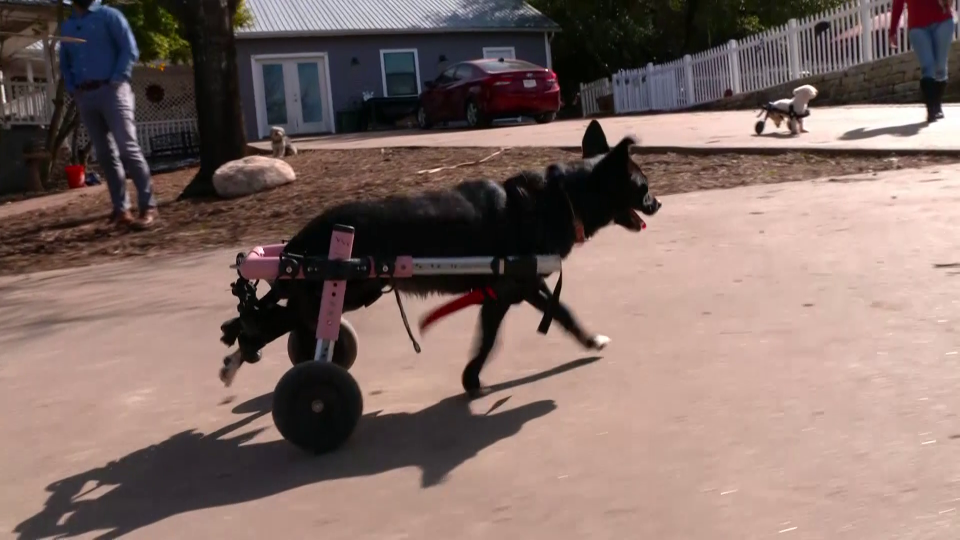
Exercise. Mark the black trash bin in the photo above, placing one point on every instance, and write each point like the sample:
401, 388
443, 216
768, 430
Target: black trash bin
348, 121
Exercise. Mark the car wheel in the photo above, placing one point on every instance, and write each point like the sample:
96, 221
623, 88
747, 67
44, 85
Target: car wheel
422, 120
546, 118
475, 117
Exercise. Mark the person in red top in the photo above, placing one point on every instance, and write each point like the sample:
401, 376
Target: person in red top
930, 29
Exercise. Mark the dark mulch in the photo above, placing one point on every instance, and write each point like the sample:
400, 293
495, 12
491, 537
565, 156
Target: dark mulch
73, 234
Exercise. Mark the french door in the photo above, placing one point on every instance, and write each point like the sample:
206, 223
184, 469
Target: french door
294, 95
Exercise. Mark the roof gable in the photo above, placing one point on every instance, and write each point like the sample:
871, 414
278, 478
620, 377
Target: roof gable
278, 18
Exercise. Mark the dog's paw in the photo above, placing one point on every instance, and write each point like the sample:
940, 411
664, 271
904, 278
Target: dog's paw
231, 365
598, 342
470, 380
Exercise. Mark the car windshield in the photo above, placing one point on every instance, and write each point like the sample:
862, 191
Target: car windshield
497, 66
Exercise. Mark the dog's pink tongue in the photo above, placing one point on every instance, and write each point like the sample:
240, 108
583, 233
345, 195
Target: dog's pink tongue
639, 223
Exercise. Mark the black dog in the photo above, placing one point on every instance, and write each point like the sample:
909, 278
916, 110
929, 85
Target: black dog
533, 213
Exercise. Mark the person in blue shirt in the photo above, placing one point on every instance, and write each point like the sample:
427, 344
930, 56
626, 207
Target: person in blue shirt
96, 73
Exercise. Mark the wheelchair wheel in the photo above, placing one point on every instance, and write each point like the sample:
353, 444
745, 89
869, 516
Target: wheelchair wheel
316, 406
758, 127
301, 345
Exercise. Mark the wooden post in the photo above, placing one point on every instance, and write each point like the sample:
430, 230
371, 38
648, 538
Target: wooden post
51, 85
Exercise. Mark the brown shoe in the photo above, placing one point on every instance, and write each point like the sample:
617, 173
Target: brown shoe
121, 219
146, 219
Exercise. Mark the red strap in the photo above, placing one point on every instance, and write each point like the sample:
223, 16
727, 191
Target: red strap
579, 236
474, 297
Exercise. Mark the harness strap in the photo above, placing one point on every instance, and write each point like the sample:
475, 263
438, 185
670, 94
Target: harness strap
554, 302
406, 323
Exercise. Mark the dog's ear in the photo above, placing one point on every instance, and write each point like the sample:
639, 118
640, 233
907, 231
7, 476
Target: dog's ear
617, 163
594, 141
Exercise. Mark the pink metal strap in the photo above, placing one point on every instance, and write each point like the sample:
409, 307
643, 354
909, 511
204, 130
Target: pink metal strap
331, 301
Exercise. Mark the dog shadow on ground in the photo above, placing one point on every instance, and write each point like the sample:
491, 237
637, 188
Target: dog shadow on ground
777, 135
905, 130
192, 471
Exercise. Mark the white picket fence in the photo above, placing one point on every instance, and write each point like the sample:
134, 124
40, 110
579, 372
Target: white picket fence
852, 34
591, 93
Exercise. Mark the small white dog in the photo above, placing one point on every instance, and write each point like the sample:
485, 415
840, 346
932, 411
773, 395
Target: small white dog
281, 144
793, 110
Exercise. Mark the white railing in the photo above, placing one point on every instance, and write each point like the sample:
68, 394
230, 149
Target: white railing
590, 94
25, 103
851, 34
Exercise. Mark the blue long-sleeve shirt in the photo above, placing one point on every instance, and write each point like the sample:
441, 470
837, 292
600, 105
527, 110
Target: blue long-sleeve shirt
109, 52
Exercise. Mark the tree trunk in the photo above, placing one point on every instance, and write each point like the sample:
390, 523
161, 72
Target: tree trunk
208, 27
55, 128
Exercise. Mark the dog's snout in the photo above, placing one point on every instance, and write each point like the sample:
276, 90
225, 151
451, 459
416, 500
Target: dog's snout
656, 205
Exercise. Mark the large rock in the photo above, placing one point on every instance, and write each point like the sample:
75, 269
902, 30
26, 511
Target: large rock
250, 175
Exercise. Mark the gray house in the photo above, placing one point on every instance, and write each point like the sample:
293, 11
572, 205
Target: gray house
302, 61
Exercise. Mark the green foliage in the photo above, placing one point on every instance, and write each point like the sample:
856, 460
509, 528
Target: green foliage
158, 31
600, 37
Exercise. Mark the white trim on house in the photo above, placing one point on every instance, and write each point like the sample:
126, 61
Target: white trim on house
488, 50
416, 66
261, 113
546, 44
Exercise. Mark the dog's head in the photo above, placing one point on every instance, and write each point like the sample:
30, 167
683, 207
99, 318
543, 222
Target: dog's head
805, 92
619, 181
277, 134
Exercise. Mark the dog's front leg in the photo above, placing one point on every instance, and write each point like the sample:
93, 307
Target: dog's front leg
268, 324
802, 128
542, 298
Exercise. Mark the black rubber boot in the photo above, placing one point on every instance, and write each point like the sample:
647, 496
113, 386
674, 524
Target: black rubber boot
938, 99
927, 90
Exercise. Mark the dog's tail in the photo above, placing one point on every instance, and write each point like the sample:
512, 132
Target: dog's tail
474, 297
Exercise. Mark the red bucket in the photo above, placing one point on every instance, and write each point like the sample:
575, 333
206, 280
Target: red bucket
76, 176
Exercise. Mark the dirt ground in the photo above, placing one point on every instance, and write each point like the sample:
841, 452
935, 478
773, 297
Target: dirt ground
74, 234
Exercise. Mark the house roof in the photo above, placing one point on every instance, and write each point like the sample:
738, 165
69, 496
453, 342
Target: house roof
289, 18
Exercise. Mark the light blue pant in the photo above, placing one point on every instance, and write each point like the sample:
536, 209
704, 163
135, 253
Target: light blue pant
107, 113
932, 43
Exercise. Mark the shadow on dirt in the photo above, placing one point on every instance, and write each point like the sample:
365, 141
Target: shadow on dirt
192, 471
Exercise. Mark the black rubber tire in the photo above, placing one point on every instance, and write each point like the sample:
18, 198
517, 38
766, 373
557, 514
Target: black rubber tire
480, 122
296, 393
423, 121
301, 345
545, 118
758, 127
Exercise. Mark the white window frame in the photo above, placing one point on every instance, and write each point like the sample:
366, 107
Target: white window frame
546, 45
513, 52
416, 67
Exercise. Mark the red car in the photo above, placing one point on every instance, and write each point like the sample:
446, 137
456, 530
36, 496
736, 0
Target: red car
480, 91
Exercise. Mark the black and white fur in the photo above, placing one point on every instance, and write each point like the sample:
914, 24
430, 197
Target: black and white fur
794, 110
532, 213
